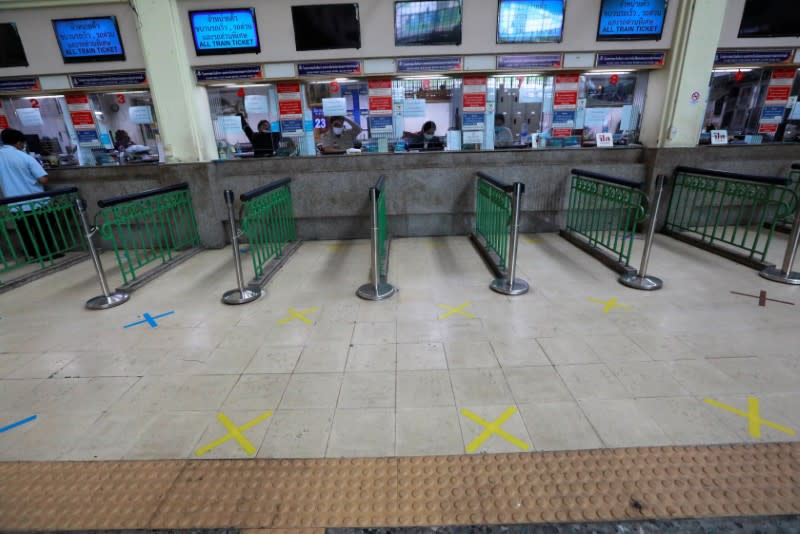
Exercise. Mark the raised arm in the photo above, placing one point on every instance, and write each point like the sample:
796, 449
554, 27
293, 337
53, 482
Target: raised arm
354, 125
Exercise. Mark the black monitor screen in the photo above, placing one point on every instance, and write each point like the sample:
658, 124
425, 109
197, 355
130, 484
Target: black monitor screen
770, 18
427, 23
326, 27
11, 52
89, 39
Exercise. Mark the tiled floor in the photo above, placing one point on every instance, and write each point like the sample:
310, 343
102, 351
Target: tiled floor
345, 377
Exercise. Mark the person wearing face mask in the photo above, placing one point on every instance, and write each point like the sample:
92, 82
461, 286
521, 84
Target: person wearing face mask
502, 134
338, 139
265, 142
426, 138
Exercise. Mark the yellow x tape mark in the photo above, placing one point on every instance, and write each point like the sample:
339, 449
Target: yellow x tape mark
754, 420
532, 239
610, 304
493, 428
452, 311
299, 314
434, 244
236, 433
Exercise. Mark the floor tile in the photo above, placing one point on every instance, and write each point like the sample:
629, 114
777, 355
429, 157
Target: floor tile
311, 390
565, 350
297, 434
686, 420
272, 359
44, 366
762, 375
375, 435
372, 357
621, 423
419, 389
661, 347
418, 331
519, 353
232, 448
480, 387
428, 431
556, 426
514, 426
616, 348
171, 435
648, 379
368, 390
592, 381
257, 392
469, 354
701, 377
536, 384
416, 356
49, 437
375, 333
110, 437
323, 358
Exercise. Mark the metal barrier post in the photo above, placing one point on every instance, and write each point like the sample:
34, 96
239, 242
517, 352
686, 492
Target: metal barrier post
640, 280
511, 285
785, 275
241, 295
376, 290
107, 299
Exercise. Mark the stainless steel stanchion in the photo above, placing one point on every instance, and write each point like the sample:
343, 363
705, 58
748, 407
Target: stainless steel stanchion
240, 295
376, 289
641, 280
785, 275
511, 285
107, 299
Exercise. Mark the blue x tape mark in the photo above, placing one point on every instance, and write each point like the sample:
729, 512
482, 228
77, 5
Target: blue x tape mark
18, 423
149, 319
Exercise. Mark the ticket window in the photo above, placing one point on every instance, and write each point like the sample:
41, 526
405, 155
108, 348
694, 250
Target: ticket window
753, 106
436, 99
127, 127
611, 102
42, 120
521, 102
344, 97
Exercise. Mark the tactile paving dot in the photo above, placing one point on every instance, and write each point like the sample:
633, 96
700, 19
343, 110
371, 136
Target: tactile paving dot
304, 496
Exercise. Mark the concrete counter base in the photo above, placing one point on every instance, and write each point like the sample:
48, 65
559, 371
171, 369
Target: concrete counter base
427, 193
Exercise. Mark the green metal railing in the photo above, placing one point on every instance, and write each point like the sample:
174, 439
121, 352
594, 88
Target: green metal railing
739, 212
383, 243
38, 229
267, 219
605, 210
493, 215
147, 227
794, 185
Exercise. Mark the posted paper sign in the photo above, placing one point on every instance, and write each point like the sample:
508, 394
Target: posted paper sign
719, 137
473, 138
29, 116
332, 107
256, 104
141, 114
414, 107
230, 123
595, 117
605, 140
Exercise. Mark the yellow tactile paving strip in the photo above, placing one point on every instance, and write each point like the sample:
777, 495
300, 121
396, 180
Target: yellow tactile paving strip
304, 495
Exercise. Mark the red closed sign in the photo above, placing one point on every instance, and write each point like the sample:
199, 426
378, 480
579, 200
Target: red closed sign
77, 99
565, 98
380, 103
779, 93
562, 132
284, 88
475, 101
82, 118
380, 84
3, 122
290, 107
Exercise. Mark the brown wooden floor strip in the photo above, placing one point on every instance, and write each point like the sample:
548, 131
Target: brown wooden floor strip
607, 484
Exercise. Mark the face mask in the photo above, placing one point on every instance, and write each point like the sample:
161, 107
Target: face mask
337, 130
497, 129
428, 136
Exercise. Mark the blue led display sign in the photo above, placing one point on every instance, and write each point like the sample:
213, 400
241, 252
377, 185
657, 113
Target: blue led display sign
632, 20
224, 31
530, 21
89, 39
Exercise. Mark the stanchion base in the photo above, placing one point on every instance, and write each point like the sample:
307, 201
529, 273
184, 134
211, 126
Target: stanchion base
645, 283
103, 303
501, 285
367, 291
777, 275
234, 296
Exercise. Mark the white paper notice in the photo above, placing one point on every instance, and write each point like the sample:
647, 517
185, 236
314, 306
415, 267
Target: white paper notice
719, 137
529, 95
230, 123
795, 114
605, 140
256, 104
473, 138
453, 140
141, 114
414, 107
332, 107
595, 117
29, 116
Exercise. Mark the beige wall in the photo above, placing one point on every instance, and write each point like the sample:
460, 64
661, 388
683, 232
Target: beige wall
730, 30
39, 39
479, 29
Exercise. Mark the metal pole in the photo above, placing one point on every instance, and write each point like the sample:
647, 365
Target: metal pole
511, 285
107, 299
241, 295
785, 274
376, 290
640, 280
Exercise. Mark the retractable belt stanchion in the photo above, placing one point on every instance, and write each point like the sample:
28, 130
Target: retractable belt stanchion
376, 289
241, 295
511, 285
641, 280
107, 299
785, 275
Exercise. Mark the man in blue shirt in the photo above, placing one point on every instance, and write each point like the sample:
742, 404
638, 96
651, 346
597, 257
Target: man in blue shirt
21, 174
